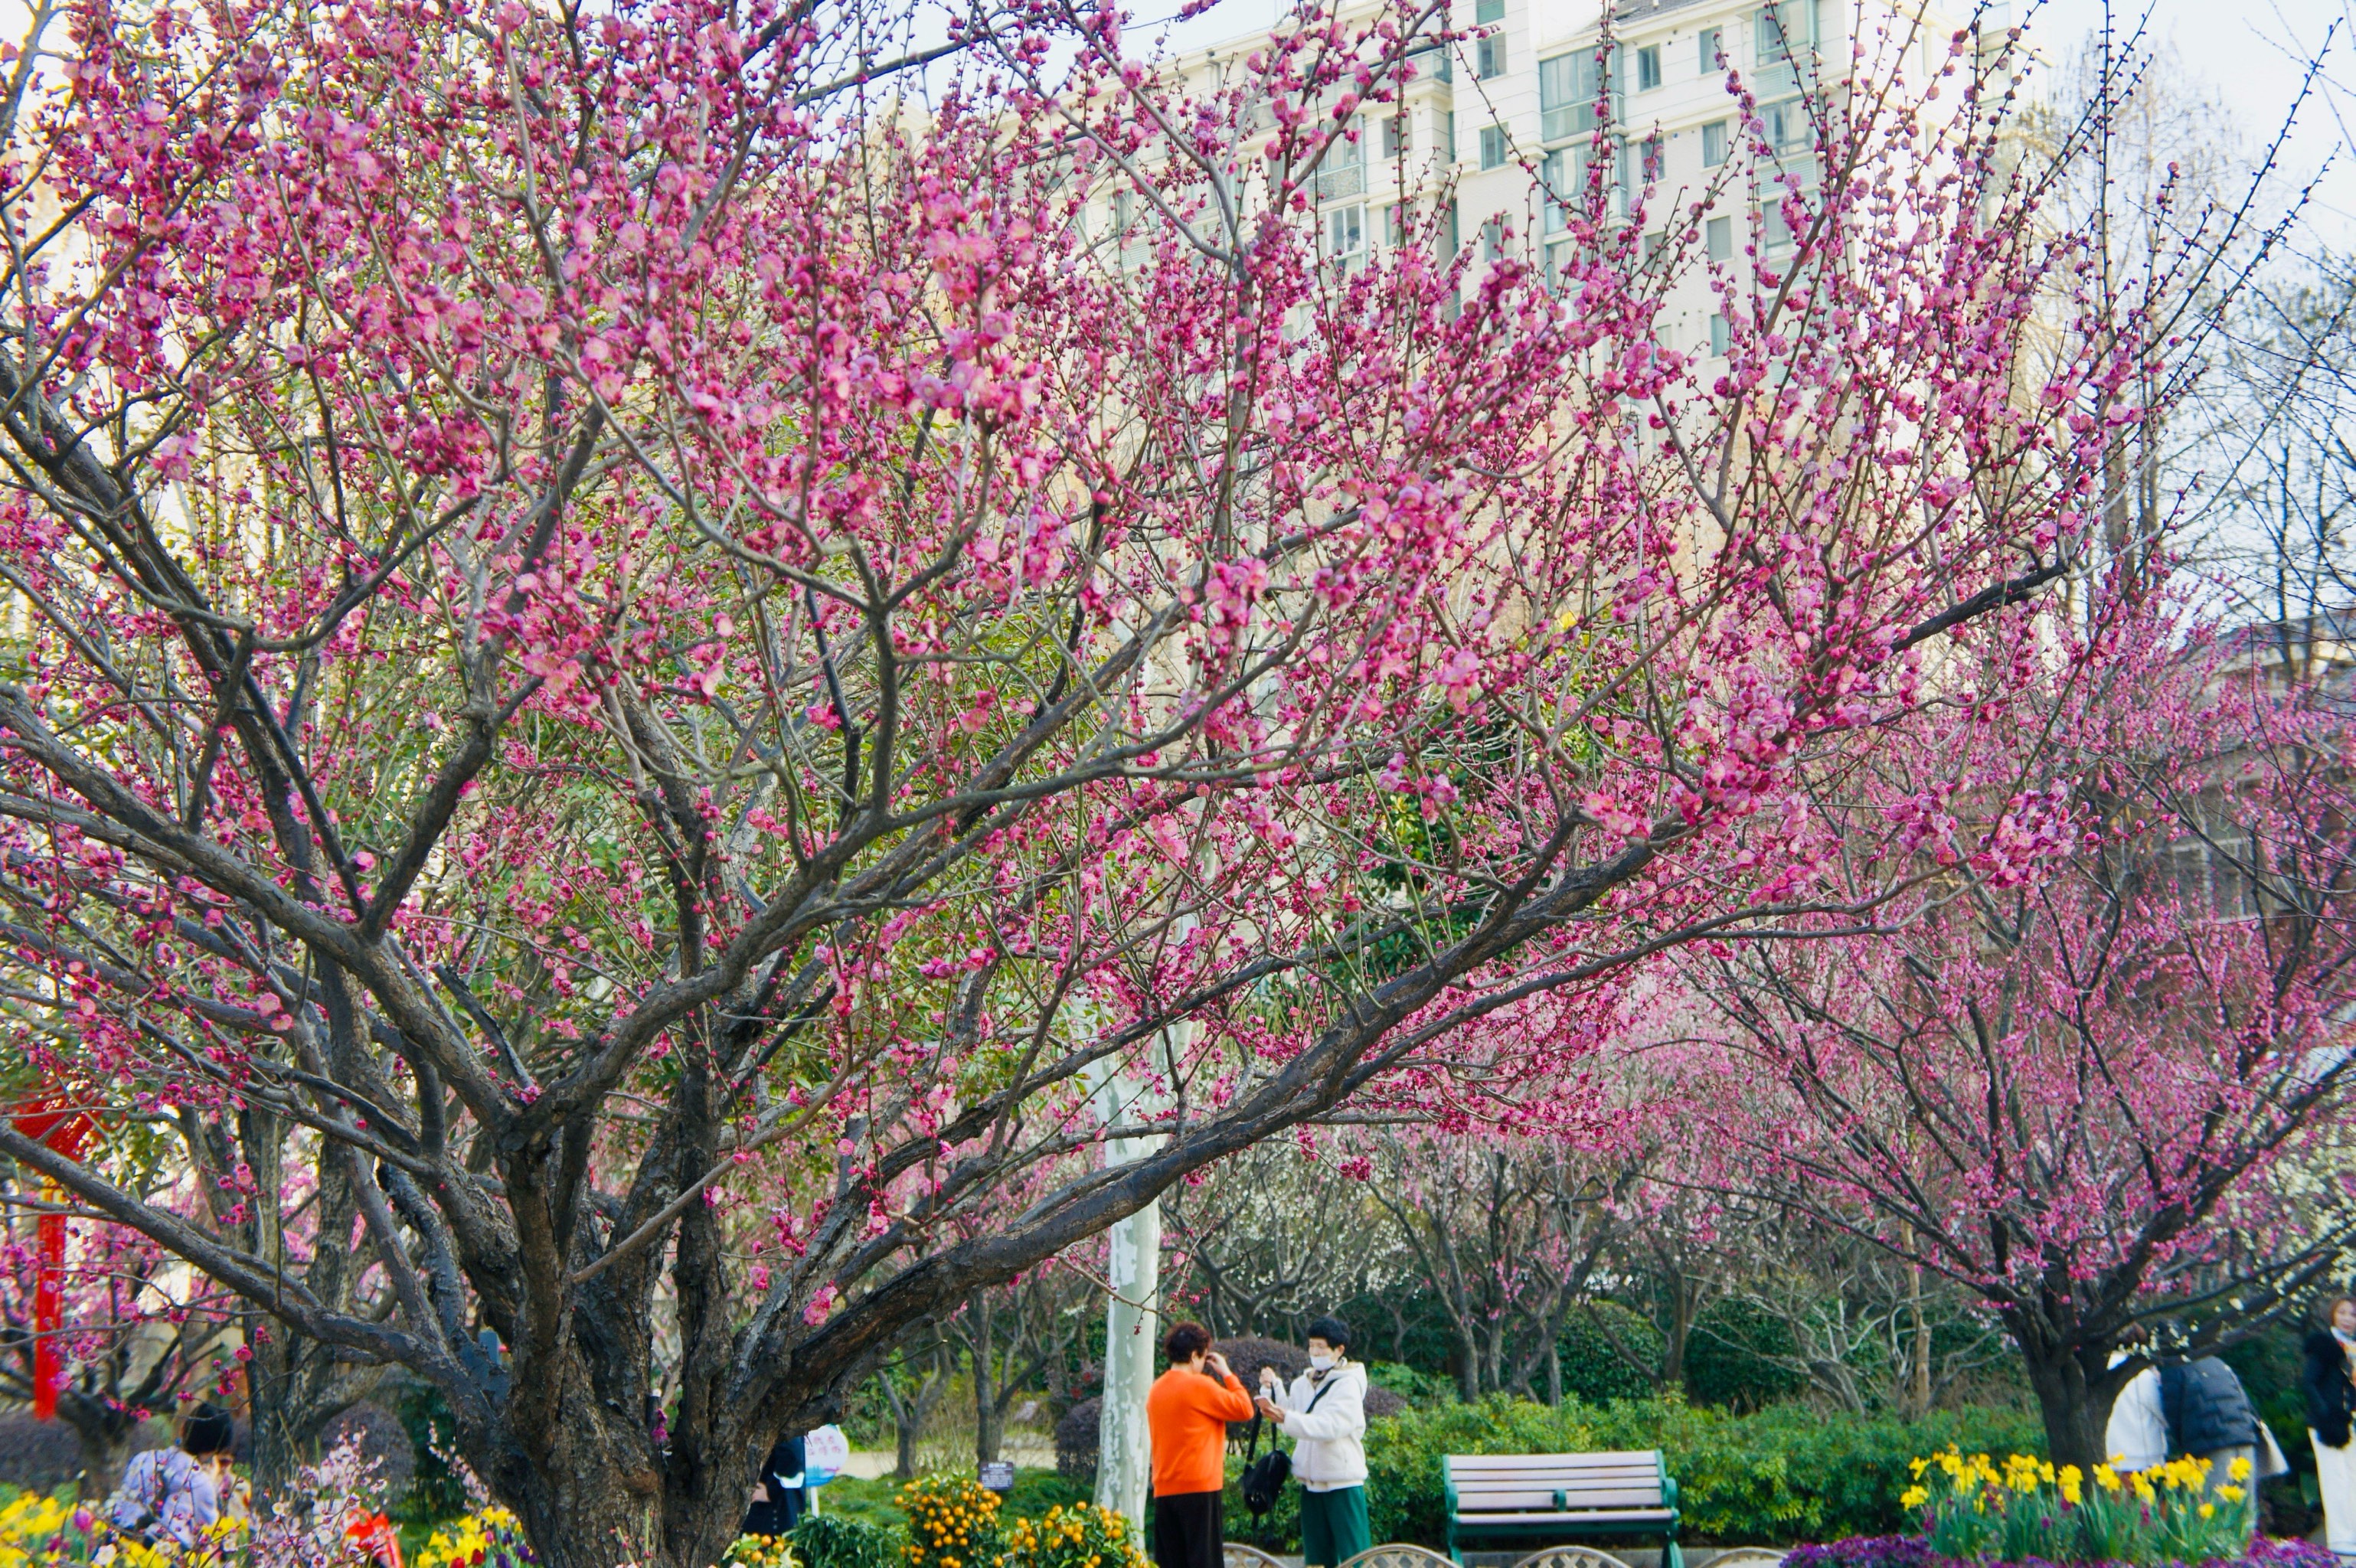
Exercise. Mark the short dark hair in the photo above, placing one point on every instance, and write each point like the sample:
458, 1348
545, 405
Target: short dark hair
210, 1431
1332, 1330
1185, 1341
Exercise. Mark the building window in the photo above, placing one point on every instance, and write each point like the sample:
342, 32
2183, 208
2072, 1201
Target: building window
1344, 172
1776, 233
1713, 143
1790, 128
1485, 12
2213, 876
1568, 88
1449, 124
1395, 220
1640, 166
1130, 248
1492, 146
1648, 68
1719, 337
1492, 57
1655, 243
1555, 172
1394, 135
1557, 264
1713, 51
1721, 239
1782, 36
1492, 240
1346, 235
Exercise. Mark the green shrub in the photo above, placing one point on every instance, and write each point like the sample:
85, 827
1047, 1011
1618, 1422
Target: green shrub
1413, 1386
875, 1502
1038, 1491
1727, 1357
1593, 1369
1788, 1473
837, 1541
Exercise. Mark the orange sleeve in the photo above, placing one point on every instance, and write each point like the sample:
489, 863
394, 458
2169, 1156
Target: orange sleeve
1227, 1401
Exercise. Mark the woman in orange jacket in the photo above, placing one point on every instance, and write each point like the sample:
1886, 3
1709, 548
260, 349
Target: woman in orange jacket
1187, 1414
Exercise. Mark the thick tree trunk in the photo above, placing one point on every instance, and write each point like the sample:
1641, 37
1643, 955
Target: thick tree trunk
2074, 1413
593, 1495
102, 1432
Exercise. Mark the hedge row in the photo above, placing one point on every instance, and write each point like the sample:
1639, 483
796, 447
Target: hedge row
1779, 1475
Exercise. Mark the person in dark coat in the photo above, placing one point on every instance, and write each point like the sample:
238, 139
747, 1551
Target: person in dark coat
2328, 1380
2210, 1416
779, 1497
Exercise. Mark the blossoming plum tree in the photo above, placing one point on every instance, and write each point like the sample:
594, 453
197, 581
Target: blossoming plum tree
2090, 1066
683, 673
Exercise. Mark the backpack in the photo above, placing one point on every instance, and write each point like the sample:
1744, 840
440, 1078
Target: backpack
1263, 1477
2206, 1407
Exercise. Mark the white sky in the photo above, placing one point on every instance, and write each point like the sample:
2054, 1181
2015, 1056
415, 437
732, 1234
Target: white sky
2253, 53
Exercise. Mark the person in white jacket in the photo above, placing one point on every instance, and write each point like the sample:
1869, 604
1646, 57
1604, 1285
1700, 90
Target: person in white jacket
2137, 1438
1325, 1411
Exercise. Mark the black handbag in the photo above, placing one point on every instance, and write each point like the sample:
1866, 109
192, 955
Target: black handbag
1265, 1477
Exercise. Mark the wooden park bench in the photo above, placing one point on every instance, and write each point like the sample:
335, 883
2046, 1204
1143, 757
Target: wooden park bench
1556, 1498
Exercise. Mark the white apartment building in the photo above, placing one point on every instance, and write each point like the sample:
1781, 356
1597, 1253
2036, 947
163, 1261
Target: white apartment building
1501, 124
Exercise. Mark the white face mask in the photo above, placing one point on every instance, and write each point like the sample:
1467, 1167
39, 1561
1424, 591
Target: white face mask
1320, 1363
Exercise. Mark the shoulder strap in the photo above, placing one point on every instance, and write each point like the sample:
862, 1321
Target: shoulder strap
1322, 1390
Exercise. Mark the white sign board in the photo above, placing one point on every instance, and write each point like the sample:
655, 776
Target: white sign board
824, 1454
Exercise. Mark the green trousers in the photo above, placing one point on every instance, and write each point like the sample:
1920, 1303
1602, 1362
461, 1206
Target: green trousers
1333, 1526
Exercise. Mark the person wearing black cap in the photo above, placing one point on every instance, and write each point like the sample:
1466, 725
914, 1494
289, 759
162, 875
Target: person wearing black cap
177, 1492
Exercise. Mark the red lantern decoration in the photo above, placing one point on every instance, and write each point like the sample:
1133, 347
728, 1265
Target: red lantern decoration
65, 1131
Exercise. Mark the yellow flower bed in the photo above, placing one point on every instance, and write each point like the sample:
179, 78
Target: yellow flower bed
760, 1551
1082, 1536
952, 1522
490, 1539
2025, 1508
38, 1531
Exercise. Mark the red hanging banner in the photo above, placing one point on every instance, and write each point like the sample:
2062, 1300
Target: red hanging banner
47, 1121
48, 1313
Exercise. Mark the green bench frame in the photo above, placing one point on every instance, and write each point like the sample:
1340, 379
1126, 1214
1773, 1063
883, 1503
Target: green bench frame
1555, 1498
